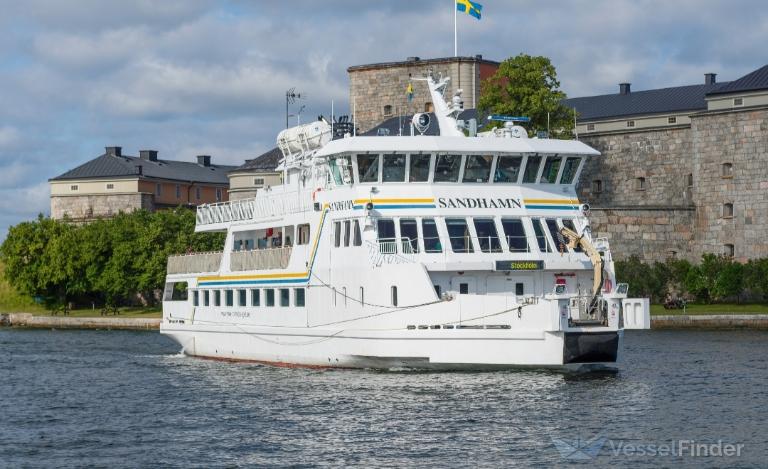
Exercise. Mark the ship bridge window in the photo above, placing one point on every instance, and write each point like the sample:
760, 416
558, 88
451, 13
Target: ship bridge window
175, 291
419, 168
569, 170
551, 168
531, 169
517, 238
447, 168
431, 238
557, 237
385, 229
336, 233
507, 168
368, 168
340, 170
487, 236
347, 232
477, 168
394, 168
458, 233
303, 234
409, 235
358, 239
568, 223
541, 237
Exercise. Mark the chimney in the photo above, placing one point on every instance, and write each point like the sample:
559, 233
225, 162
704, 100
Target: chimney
709, 78
148, 155
204, 160
139, 169
478, 56
114, 151
624, 88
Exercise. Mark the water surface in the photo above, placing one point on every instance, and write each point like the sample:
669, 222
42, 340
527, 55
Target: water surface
119, 398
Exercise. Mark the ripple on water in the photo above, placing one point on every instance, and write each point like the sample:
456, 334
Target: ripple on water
115, 398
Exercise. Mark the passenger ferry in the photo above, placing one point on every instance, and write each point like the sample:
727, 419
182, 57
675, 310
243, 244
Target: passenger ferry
429, 252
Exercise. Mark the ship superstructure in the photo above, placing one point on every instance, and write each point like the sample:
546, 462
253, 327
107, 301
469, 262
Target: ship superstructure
438, 252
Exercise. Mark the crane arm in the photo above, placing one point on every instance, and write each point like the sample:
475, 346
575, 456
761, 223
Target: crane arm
597, 262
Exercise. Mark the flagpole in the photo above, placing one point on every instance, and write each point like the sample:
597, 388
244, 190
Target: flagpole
455, 30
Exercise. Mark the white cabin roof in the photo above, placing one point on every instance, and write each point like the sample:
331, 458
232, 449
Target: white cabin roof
456, 145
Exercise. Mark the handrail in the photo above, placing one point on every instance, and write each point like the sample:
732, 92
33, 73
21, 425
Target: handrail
256, 207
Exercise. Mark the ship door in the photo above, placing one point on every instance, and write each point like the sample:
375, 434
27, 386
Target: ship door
464, 285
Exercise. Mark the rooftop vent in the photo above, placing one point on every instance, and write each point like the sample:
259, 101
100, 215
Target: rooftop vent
413, 59
148, 155
478, 56
624, 88
114, 151
204, 160
709, 78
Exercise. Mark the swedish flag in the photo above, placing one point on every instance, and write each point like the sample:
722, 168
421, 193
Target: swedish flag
469, 7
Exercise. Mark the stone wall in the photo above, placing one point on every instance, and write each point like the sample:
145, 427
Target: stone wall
89, 207
372, 88
741, 139
654, 222
652, 234
663, 157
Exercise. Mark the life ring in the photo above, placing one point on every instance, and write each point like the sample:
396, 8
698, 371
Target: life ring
315, 192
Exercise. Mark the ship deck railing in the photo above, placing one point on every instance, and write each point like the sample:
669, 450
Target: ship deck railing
196, 262
262, 206
260, 259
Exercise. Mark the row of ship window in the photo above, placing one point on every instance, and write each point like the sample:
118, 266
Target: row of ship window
268, 297
454, 168
467, 235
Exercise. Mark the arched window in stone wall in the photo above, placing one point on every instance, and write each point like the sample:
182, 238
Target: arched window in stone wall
640, 184
728, 250
727, 170
597, 186
689, 180
388, 110
727, 210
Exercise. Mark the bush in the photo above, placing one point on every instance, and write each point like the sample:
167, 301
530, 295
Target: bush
715, 278
113, 260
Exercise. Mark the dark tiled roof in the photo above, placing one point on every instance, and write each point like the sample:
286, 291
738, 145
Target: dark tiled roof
109, 166
391, 126
266, 162
757, 80
676, 99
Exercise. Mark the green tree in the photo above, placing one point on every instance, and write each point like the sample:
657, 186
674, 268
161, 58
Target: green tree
527, 85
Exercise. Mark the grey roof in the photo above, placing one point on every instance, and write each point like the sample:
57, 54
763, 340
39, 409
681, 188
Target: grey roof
757, 80
664, 100
266, 162
391, 126
110, 166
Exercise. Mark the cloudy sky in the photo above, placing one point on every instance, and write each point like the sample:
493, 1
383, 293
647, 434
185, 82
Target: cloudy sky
187, 77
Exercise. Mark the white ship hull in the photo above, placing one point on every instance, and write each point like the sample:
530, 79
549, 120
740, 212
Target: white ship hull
421, 349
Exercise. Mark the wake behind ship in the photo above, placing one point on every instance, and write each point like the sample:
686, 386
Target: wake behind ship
429, 252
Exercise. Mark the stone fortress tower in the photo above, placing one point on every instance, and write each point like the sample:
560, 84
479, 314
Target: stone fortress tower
378, 91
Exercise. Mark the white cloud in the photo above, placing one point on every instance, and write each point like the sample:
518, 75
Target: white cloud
192, 76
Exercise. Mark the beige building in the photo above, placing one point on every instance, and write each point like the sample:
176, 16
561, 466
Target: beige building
377, 92
113, 183
255, 175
